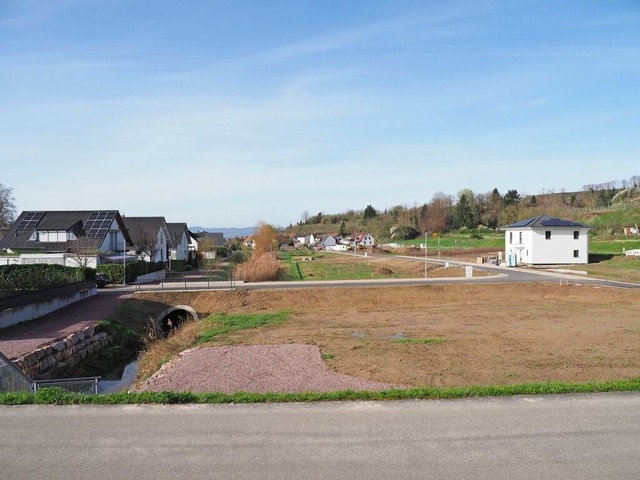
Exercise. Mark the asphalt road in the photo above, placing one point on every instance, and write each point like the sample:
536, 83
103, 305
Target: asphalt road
498, 275
565, 436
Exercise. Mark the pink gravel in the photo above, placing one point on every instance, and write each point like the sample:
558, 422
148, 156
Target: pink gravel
254, 368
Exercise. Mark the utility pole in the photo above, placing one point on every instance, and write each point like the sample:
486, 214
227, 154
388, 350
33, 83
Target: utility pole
124, 260
425, 254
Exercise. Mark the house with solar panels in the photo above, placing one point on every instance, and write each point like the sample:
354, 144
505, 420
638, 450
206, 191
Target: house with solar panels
71, 238
546, 240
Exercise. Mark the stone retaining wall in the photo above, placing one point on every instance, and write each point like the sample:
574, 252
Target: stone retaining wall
46, 362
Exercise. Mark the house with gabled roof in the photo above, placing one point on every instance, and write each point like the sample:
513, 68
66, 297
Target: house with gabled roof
364, 239
151, 237
180, 238
546, 240
73, 238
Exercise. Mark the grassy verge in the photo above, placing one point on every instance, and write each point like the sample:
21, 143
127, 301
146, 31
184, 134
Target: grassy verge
57, 396
619, 267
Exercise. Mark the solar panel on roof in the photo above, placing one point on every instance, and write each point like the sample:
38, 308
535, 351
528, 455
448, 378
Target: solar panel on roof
522, 223
30, 220
98, 223
558, 222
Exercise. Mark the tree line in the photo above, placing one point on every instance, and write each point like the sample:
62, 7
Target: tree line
466, 210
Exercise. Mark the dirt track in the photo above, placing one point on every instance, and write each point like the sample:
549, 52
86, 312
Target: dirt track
491, 334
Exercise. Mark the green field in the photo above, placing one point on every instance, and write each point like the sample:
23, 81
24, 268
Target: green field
330, 266
458, 240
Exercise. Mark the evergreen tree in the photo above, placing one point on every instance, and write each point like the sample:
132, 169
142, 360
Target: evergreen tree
343, 229
369, 212
512, 197
464, 213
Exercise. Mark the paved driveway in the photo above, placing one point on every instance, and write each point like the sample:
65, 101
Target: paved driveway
24, 338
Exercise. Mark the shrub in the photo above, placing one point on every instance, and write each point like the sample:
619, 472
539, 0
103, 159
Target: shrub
178, 265
133, 270
31, 278
237, 256
261, 268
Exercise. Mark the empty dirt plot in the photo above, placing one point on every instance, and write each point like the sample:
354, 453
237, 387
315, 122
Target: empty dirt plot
447, 335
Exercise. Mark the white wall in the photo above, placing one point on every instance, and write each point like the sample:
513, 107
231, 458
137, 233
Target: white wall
32, 311
536, 249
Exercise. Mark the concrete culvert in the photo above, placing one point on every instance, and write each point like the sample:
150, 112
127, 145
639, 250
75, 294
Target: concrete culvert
173, 317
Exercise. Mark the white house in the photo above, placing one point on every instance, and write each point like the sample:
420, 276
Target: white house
326, 241
72, 238
180, 239
151, 237
546, 240
364, 239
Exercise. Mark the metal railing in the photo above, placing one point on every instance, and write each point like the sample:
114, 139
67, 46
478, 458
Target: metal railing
204, 279
88, 385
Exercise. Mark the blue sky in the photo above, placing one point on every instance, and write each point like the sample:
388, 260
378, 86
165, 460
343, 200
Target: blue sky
225, 113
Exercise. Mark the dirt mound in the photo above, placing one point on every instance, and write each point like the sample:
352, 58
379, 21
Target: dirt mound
383, 271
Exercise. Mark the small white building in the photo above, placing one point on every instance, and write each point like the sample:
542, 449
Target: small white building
546, 240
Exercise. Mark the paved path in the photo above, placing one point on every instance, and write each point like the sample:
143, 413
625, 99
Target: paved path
24, 338
541, 437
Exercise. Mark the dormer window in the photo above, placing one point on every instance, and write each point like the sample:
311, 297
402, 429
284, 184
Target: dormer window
49, 236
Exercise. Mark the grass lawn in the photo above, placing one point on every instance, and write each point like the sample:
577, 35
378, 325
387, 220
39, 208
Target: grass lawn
331, 266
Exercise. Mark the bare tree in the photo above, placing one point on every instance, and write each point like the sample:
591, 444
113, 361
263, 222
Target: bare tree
7, 207
440, 212
146, 242
84, 252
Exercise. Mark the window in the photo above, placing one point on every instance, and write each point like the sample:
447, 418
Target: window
49, 236
576, 254
520, 237
576, 235
547, 235
510, 237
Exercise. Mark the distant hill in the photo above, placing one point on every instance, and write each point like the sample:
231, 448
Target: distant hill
227, 232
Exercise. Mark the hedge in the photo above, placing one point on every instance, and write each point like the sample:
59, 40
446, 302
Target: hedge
16, 279
113, 271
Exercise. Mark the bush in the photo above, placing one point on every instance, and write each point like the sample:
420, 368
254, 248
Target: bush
178, 265
133, 270
260, 268
40, 276
237, 256
476, 235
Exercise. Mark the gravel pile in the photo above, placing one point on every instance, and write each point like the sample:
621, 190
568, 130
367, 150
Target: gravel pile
254, 368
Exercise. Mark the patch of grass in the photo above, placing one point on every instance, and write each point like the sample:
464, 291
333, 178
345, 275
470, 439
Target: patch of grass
420, 341
327, 356
223, 323
612, 247
459, 240
57, 396
618, 267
